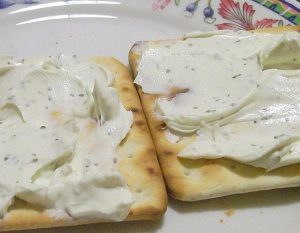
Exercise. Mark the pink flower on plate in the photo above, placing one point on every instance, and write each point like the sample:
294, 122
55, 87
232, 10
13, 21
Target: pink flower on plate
160, 4
241, 18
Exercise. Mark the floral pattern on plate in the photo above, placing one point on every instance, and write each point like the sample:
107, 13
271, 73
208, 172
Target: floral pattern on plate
237, 14
241, 17
8, 3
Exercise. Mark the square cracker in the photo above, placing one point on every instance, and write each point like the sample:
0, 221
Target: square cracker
137, 162
191, 180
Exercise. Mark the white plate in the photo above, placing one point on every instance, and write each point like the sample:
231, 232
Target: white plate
88, 28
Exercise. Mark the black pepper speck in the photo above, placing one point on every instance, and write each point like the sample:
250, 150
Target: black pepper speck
210, 110
278, 136
236, 76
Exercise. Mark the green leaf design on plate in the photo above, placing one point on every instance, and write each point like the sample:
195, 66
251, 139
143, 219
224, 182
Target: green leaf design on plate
177, 2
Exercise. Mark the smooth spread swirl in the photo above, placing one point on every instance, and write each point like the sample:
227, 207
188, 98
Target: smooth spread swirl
60, 124
237, 91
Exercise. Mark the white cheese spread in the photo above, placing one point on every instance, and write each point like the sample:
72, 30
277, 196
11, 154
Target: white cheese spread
60, 124
239, 92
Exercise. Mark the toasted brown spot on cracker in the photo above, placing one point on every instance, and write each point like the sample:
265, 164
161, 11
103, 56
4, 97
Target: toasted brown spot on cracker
162, 126
125, 89
133, 109
167, 152
152, 171
151, 151
140, 123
